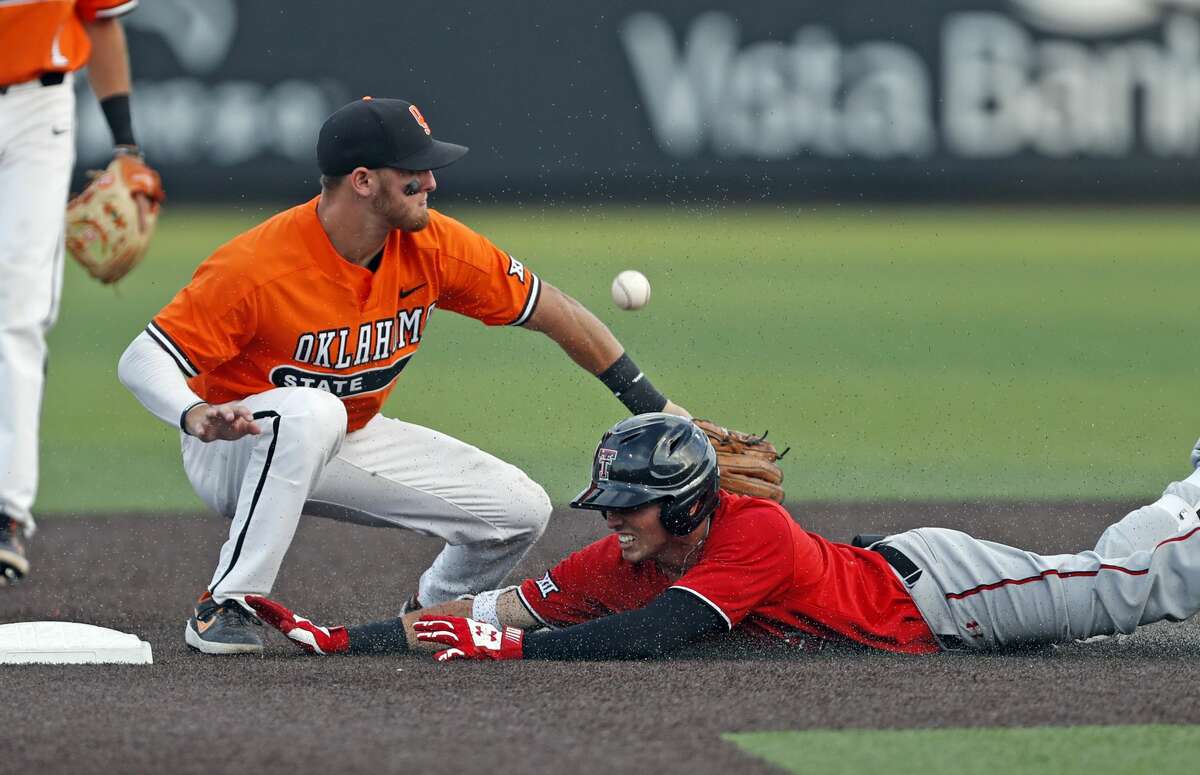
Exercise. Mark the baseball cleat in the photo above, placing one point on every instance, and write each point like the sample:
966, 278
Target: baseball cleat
222, 628
1196, 455
13, 564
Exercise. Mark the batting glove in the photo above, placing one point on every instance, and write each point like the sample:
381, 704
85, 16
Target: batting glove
469, 639
313, 638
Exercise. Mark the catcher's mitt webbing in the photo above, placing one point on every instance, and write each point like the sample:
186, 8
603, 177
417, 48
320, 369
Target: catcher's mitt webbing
747, 462
104, 231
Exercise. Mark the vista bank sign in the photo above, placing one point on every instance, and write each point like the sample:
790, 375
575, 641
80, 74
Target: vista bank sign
1056, 78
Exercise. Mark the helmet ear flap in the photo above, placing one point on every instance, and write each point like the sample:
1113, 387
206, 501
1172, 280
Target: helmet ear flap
683, 514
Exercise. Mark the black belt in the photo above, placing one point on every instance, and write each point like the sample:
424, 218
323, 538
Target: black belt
910, 573
45, 79
908, 570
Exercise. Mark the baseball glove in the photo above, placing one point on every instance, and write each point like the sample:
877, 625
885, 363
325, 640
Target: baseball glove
103, 229
748, 463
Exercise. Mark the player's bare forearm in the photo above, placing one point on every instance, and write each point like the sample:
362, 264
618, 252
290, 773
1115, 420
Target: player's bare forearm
586, 340
453, 608
581, 334
108, 66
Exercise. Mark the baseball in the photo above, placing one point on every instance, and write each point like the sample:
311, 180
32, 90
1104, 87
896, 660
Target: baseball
631, 289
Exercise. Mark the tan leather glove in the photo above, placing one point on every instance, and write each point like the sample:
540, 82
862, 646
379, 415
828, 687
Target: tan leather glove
105, 232
747, 463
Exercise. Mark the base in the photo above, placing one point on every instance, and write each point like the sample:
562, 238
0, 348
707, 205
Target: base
70, 643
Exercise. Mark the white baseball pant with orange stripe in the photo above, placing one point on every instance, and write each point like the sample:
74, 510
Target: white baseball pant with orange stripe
389, 473
37, 153
983, 595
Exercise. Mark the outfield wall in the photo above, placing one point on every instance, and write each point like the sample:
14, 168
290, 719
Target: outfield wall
655, 101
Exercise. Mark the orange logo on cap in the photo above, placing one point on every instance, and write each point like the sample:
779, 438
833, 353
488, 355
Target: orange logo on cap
367, 98
420, 119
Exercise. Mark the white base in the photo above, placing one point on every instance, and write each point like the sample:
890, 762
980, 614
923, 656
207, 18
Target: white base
70, 643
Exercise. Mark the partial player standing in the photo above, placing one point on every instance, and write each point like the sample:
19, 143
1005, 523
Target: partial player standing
276, 359
687, 561
44, 43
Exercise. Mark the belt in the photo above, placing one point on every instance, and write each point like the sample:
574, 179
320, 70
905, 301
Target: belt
909, 573
908, 570
45, 79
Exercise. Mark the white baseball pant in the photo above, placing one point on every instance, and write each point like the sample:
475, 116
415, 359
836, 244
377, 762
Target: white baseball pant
389, 473
37, 153
983, 595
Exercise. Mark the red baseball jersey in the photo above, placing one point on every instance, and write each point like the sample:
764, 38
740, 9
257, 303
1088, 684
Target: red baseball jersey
760, 571
278, 307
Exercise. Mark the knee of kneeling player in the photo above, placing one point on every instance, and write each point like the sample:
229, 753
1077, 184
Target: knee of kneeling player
322, 415
529, 508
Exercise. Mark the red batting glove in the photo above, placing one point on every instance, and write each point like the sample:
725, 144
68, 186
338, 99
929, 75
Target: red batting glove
469, 639
313, 638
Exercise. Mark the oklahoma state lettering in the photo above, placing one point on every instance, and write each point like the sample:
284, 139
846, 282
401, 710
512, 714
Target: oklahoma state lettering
374, 341
341, 385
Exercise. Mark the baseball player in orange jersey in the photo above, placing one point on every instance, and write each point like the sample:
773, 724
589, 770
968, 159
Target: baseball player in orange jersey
277, 357
43, 43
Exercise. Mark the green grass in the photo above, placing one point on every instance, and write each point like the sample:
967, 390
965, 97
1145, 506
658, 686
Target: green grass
903, 352
1161, 749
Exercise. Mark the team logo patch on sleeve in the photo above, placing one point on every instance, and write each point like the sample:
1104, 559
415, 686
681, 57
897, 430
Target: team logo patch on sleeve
546, 585
517, 269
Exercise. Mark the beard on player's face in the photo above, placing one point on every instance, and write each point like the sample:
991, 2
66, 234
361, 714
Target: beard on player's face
400, 211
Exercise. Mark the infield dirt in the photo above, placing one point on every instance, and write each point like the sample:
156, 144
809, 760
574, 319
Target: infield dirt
290, 712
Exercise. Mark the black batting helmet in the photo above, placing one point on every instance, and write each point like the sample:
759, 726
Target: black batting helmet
655, 457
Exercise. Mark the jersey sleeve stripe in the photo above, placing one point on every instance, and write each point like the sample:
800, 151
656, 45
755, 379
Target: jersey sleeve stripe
715, 607
117, 10
164, 341
529, 608
535, 292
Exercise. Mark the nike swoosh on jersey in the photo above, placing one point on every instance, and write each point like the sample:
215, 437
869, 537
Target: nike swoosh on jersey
411, 291
56, 56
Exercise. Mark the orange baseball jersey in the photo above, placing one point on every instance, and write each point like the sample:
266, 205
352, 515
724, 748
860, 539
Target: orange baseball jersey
47, 36
278, 307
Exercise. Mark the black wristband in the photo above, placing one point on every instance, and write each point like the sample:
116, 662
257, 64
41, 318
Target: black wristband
120, 121
632, 387
386, 637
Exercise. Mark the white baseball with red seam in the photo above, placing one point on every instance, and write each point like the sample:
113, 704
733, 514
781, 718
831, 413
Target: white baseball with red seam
630, 289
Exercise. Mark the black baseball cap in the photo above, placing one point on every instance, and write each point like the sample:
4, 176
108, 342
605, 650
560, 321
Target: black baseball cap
381, 132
